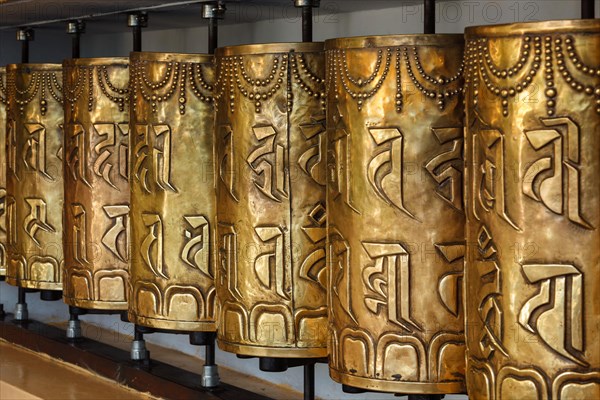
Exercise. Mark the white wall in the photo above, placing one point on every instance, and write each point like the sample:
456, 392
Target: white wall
281, 24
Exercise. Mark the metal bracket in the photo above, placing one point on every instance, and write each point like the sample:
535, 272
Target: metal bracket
214, 10
25, 35
137, 19
307, 3
76, 27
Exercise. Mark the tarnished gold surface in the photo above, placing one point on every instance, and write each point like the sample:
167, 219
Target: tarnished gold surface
96, 209
3, 98
34, 200
532, 285
172, 191
270, 175
395, 223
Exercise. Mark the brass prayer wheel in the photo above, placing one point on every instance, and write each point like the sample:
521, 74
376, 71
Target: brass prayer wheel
270, 176
34, 184
395, 220
96, 212
3, 99
172, 191
532, 284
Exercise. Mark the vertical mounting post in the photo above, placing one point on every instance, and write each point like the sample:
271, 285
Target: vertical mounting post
307, 17
309, 381
76, 28
137, 21
588, 9
213, 12
429, 16
25, 35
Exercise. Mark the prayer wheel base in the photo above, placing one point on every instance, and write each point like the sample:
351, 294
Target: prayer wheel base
50, 295
397, 387
273, 352
92, 305
170, 325
36, 285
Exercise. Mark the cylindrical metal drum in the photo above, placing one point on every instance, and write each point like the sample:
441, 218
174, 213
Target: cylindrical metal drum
96, 212
395, 221
3, 99
532, 283
270, 175
34, 184
172, 191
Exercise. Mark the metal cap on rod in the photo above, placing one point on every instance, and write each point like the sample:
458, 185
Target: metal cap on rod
588, 9
25, 35
307, 17
429, 16
76, 28
213, 12
137, 21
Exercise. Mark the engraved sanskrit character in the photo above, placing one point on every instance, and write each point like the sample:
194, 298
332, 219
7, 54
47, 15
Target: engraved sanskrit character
313, 266
195, 252
226, 164
450, 284
339, 161
388, 283
11, 146
268, 160
37, 219
270, 266
555, 314
77, 158
153, 157
340, 279
558, 191
445, 168
11, 221
385, 168
119, 213
79, 233
34, 149
489, 173
228, 261
152, 245
107, 149
312, 161
490, 309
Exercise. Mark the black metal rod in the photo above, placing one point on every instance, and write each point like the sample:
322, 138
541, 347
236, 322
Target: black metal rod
588, 9
210, 351
137, 334
137, 38
21, 291
307, 24
25, 51
213, 35
309, 381
429, 16
76, 45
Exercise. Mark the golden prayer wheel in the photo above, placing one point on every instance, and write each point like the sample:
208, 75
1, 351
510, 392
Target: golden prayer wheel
172, 214
270, 176
395, 212
3, 99
34, 201
533, 189
96, 212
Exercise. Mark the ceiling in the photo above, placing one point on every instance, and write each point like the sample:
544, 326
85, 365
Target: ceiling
108, 16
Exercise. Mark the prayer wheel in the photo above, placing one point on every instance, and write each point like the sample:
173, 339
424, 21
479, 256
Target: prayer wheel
532, 286
34, 200
3, 99
270, 177
395, 215
172, 214
96, 212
